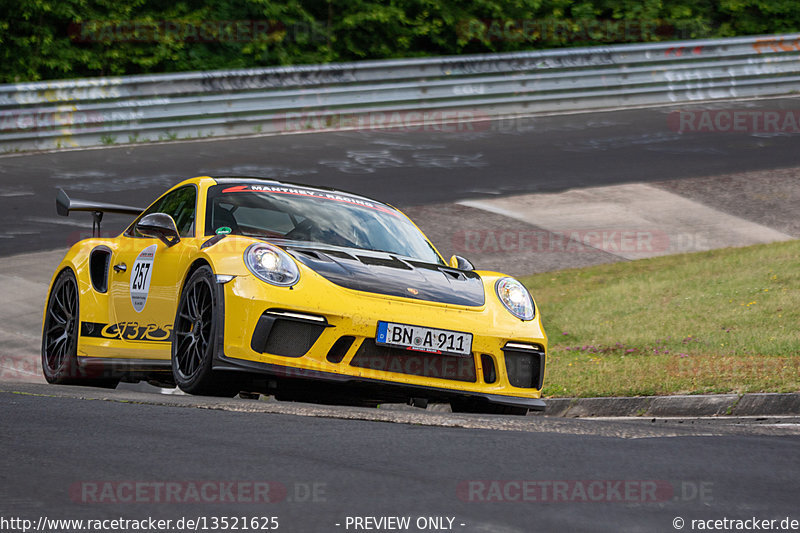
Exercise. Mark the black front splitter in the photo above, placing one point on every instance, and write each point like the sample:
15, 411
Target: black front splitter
376, 389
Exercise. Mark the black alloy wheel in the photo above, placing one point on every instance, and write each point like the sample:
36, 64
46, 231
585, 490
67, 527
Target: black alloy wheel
195, 337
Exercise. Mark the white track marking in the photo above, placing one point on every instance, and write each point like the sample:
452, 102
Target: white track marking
657, 222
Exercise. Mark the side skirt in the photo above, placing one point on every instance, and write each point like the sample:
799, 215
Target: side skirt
116, 366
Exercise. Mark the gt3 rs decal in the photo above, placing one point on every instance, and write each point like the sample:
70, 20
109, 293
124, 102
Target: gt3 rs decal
132, 331
140, 277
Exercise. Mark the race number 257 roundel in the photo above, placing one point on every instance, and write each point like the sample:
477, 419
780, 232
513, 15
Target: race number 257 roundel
140, 277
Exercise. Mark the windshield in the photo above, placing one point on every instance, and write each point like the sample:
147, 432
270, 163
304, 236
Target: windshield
293, 213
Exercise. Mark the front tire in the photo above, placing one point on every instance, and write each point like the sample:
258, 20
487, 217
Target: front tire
60, 337
195, 337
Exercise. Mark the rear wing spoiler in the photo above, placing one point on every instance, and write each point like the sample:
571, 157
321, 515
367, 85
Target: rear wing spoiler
65, 205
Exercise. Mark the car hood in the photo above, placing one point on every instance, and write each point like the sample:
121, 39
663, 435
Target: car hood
384, 273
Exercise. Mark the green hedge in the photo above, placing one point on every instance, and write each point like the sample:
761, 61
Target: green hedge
48, 39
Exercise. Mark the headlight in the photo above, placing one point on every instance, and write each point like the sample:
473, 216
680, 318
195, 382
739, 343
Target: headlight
271, 264
515, 297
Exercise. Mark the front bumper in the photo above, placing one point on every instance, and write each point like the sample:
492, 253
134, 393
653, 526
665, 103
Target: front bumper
325, 333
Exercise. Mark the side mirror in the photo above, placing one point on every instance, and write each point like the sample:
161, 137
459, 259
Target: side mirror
460, 263
159, 226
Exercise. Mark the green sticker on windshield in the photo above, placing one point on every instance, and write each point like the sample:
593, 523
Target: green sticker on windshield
223, 230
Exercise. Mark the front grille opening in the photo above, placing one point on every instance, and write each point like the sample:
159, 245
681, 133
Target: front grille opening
291, 338
489, 372
339, 349
284, 336
397, 360
524, 369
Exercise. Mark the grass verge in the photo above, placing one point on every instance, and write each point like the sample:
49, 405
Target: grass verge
721, 321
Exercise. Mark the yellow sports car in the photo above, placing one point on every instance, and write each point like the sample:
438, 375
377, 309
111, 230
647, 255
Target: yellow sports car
236, 284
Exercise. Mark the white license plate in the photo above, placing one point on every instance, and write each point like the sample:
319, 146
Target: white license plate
424, 339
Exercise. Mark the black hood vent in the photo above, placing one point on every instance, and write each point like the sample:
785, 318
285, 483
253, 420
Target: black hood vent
392, 262
384, 273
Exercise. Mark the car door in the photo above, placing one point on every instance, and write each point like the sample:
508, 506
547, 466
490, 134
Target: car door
146, 276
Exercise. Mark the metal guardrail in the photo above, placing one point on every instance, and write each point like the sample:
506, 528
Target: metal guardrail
119, 110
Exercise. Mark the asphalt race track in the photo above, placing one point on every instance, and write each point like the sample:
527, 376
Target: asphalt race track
445, 164
72, 453
71, 458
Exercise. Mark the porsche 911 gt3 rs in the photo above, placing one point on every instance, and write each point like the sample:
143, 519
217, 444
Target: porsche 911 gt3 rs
235, 284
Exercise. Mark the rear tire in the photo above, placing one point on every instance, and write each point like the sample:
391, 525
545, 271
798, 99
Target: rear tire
60, 338
195, 337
